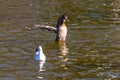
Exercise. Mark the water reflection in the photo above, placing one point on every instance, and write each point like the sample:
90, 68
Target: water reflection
41, 69
115, 11
41, 66
39, 56
63, 52
63, 48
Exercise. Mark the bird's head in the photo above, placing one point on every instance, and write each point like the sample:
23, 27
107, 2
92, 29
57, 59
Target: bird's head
39, 48
63, 18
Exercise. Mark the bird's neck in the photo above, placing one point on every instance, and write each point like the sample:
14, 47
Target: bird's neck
41, 51
63, 24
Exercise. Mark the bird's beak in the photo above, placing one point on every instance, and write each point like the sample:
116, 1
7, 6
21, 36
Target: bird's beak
68, 20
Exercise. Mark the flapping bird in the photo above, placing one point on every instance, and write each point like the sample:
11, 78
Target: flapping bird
60, 29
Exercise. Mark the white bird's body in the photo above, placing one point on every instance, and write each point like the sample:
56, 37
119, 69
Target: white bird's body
39, 55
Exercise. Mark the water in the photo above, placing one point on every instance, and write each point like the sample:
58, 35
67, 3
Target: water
91, 51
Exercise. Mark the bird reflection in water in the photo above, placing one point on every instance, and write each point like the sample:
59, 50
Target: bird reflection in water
41, 66
41, 69
63, 52
40, 56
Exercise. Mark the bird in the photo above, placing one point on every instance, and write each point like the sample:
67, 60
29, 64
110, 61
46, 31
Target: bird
60, 29
39, 55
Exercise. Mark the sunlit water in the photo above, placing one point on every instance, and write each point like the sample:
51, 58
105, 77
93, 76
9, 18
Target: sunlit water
91, 52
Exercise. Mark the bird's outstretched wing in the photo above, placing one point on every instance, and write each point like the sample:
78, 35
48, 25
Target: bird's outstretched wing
50, 28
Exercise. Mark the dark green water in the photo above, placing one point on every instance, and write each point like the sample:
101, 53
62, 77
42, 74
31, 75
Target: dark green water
92, 49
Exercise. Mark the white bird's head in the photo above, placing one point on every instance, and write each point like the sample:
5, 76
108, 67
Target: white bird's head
39, 48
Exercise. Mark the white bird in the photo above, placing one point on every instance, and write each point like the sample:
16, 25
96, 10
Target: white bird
39, 55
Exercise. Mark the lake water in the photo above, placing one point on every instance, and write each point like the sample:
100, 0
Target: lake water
92, 49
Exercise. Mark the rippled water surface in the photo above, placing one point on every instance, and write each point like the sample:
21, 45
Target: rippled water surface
91, 52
